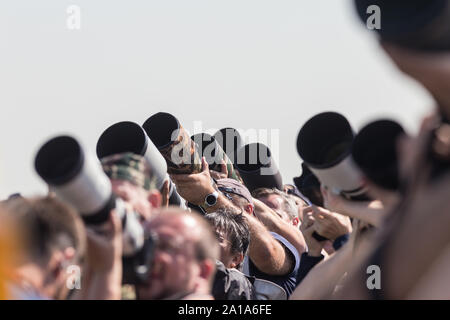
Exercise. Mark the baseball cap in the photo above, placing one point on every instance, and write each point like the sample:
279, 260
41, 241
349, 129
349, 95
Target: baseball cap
227, 185
130, 167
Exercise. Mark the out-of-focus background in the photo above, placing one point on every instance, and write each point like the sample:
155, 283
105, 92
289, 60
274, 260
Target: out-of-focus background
249, 64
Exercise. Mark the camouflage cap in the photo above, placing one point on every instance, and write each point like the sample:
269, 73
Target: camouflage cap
130, 167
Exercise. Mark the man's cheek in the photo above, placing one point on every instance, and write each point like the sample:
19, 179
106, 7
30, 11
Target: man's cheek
150, 291
180, 273
144, 210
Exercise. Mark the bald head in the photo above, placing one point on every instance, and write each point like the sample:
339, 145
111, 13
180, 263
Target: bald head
185, 255
188, 227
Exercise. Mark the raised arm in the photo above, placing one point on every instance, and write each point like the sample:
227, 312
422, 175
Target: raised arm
268, 255
196, 187
274, 223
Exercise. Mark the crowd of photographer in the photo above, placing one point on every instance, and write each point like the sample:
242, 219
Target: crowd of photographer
159, 214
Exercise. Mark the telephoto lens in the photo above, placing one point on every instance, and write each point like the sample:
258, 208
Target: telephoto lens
309, 186
415, 24
127, 136
325, 143
257, 167
174, 143
375, 152
214, 154
78, 179
230, 140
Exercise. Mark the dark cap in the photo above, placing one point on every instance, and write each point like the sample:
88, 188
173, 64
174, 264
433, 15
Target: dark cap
232, 186
293, 190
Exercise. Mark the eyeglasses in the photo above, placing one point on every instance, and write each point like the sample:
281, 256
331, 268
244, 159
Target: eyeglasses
226, 192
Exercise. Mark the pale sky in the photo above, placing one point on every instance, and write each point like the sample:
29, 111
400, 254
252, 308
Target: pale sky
247, 64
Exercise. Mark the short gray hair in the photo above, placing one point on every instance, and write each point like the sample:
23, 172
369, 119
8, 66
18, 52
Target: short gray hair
289, 205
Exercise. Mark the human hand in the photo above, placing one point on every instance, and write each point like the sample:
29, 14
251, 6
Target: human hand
330, 225
307, 229
357, 231
371, 212
194, 187
104, 245
223, 172
165, 192
332, 201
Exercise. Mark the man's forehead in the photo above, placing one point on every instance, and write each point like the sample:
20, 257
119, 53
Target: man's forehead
272, 197
175, 233
122, 183
167, 231
168, 222
128, 186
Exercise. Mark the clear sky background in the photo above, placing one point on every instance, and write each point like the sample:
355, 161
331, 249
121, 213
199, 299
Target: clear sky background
244, 63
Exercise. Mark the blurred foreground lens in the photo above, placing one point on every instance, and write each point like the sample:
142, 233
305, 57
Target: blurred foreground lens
375, 152
324, 143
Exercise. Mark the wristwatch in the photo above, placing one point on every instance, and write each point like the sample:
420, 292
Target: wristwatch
211, 199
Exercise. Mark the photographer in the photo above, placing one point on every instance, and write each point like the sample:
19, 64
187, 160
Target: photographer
271, 258
279, 202
52, 238
269, 234
184, 260
278, 212
234, 238
233, 235
132, 181
199, 188
425, 204
300, 200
